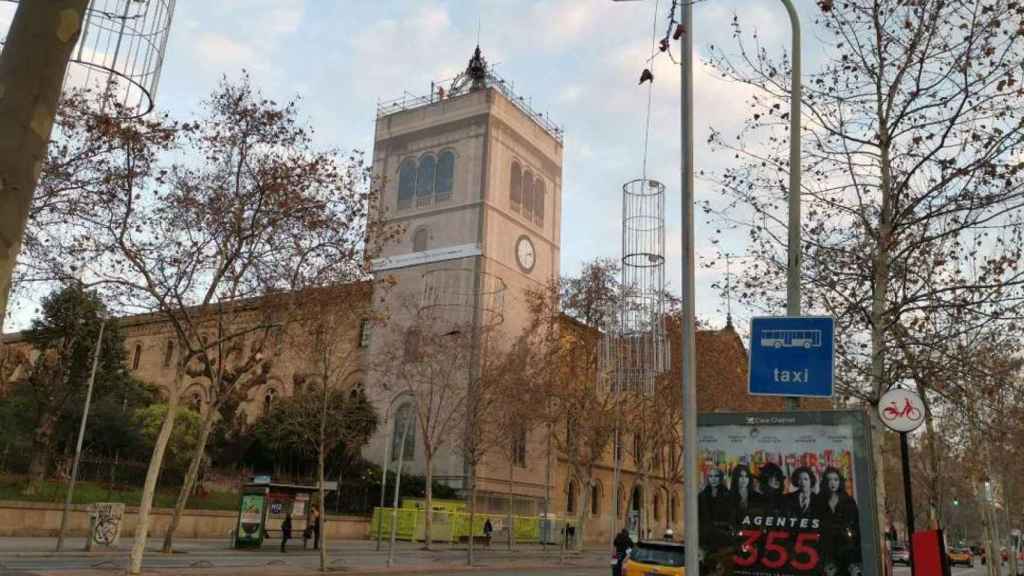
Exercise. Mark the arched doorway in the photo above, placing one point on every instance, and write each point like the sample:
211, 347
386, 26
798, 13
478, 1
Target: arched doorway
635, 515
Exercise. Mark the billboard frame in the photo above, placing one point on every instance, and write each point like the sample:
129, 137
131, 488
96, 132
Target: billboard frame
859, 423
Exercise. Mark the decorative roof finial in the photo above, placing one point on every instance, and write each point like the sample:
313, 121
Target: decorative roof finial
477, 69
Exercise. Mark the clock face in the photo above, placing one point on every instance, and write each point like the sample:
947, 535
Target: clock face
525, 254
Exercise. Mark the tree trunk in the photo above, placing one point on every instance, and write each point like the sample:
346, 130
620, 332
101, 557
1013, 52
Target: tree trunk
322, 446
581, 514
645, 503
879, 313
428, 517
190, 478
935, 494
152, 475
32, 66
42, 439
322, 533
472, 513
508, 520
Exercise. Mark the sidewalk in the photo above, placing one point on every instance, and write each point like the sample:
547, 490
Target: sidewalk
216, 558
75, 546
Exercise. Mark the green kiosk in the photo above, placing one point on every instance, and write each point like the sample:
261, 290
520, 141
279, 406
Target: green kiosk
264, 505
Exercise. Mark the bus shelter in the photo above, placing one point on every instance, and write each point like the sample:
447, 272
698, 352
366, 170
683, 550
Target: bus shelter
264, 505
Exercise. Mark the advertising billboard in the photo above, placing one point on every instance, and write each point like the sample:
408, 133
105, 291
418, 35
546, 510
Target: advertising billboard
250, 520
787, 494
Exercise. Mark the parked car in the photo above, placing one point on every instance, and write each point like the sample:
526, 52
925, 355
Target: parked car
655, 559
961, 556
900, 555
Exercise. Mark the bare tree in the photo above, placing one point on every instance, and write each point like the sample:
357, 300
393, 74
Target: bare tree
580, 407
244, 207
489, 400
913, 186
331, 410
434, 368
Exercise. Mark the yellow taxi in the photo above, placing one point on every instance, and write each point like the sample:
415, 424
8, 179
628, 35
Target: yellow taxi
655, 559
960, 556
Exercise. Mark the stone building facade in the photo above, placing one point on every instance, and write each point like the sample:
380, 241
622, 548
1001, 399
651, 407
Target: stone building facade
474, 179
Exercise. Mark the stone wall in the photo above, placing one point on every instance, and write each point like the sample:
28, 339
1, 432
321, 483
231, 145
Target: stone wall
43, 519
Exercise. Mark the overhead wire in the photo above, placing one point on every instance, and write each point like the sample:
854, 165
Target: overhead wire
650, 90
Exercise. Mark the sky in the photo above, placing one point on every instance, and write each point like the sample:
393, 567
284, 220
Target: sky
578, 61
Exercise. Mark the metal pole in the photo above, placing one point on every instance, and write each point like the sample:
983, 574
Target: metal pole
793, 250
689, 354
545, 533
615, 486
81, 436
398, 482
908, 496
384, 477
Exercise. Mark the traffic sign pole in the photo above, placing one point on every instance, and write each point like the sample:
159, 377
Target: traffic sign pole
909, 497
792, 356
902, 411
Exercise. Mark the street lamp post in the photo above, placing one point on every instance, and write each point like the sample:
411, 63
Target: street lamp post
387, 457
398, 483
793, 249
78, 447
689, 375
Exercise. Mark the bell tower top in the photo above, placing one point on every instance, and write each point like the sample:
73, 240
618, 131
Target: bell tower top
474, 77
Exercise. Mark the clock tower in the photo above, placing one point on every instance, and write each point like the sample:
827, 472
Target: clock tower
473, 177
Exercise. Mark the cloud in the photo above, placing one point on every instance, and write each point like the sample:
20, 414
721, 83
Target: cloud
220, 52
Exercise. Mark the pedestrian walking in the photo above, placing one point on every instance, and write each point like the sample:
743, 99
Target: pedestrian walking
286, 532
314, 517
488, 529
622, 544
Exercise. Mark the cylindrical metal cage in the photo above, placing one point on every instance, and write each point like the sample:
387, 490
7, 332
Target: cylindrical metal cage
643, 350
457, 297
121, 49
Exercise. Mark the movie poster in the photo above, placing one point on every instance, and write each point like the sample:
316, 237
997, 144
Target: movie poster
786, 494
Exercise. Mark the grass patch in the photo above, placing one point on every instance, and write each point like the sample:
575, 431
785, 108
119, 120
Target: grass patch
90, 492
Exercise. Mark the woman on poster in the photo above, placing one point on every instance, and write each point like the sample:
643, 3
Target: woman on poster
840, 523
741, 491
770, 481
714, 505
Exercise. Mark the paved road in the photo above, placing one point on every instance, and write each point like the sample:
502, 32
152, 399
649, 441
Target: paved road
977, 570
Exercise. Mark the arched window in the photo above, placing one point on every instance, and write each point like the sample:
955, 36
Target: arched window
528, 195
169, 353
406, 183
519, 446
538, 202
657, 506
411, 345
196, 401
672, 509
620, 499
595, 499
515, 193
425, 180
445, 175
268, 400
137, 357
404, 415
570, 498
419, 239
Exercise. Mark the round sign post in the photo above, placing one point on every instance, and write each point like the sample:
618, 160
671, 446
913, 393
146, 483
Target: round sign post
902, 411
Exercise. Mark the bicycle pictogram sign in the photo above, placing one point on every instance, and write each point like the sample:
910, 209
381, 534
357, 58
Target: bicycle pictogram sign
901, 410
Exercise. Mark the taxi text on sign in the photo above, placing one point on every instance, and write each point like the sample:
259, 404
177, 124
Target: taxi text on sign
791, 356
